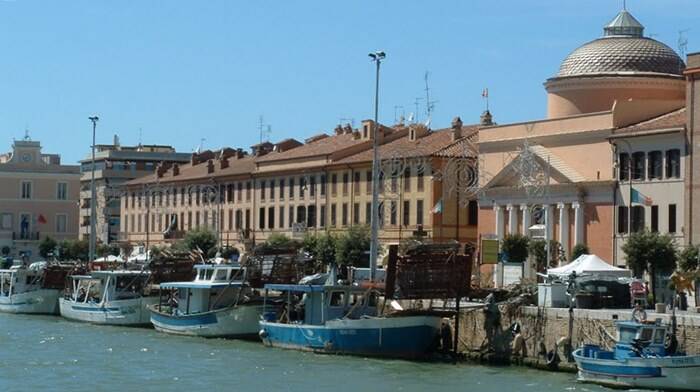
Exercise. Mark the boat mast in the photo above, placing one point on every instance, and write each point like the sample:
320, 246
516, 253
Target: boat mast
377, 58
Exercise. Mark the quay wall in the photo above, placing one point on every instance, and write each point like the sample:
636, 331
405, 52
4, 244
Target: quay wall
480, 335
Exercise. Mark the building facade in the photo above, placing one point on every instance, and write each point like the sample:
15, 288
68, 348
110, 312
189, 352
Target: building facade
38, 198
114, 166
294, 188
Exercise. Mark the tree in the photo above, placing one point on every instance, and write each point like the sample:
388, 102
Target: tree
537, 249
199, 238
688, 258
651, 252
102, 250
352, 247
308, 244
325, 251
79, 250
515, 248
5, 250
579, 250
47, 246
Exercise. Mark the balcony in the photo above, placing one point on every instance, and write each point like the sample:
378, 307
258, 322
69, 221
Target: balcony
25, 236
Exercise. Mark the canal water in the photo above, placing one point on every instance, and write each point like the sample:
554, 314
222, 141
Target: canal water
42, 353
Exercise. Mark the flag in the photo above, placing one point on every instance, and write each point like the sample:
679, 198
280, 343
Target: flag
639, 198
41, 219
438, 208
485, 93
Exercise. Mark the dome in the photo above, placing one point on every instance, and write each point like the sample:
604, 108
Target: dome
622, 50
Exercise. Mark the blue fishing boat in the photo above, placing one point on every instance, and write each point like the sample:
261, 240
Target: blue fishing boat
644, 356
344, 319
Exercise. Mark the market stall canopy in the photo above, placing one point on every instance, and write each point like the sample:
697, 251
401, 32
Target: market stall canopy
590, 265
111, 259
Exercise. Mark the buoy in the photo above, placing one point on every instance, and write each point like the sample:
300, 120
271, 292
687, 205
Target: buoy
262, 334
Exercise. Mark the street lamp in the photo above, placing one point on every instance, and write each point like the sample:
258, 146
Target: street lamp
377, 58
93, 196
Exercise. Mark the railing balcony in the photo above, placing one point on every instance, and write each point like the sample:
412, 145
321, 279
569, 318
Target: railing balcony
25, 236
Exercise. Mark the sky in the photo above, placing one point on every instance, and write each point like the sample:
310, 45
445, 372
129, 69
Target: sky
176, 72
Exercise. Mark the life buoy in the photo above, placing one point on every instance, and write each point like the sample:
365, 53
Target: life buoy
639, 315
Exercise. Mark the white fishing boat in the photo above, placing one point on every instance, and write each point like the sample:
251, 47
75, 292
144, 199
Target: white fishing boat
217, 303
32, 289
109, 297
645, 356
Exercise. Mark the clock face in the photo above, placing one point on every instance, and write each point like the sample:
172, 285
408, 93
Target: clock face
26, 157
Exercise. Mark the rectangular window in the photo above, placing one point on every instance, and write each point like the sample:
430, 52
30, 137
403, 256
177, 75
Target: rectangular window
654, 218
368, 213
247, 219
125, 228
239, 219
230, 220
62, 191
392, 213
311, 216
272, 189
263, 189
205, 221
368, 182
655, 167
637, 218
380, 214
334, 184
281, 192
271, 218
356, 214
139, 223
189, 220
673, 163
323, 184
344, 220
197, 221
671, 218
638, 163
356, 183
61, 223
333, 214
419, 212
247, 191
239, 192
302, 186
291, 216
312, 186
322, 220
407, 180
473, 213
291, 188
421, 181
261, 218
406, 212
301, 214
346, 180
281, 217
27, 190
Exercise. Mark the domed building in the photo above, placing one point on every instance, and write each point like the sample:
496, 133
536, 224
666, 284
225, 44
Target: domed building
621, 65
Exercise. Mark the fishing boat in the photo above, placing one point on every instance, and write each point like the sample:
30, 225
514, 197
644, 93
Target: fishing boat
644, 356
344, 319
217, 303
34, 289
109, 297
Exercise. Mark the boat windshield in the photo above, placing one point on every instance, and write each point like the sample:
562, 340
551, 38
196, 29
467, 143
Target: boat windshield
627, 334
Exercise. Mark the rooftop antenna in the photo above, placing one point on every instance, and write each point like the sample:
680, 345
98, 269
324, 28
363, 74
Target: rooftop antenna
140, 135
624, 5
201, 145
429, 105
682, 42
348, 120
264, 129
403, 113
485, 96
417, 103
26, 134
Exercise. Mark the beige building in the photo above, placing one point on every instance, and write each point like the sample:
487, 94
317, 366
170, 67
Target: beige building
616, 109
38, 198
115, 165
293, 188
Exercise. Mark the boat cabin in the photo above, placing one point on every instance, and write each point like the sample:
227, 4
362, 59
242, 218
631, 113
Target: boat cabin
632, 335
214, 287
104, 286
17, 280
315, 304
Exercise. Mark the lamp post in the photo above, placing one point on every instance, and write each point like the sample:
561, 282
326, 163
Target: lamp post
377, 58
93, 195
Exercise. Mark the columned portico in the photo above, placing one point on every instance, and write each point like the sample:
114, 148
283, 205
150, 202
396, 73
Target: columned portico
578, 223
525, 211
498, 210
564, 226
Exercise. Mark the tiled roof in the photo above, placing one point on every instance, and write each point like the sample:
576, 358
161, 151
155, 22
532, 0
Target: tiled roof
320, 147
674, 119
237, 166
467, 144
403, 147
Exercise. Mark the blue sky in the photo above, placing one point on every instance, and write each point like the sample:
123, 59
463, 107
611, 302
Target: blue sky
182, 70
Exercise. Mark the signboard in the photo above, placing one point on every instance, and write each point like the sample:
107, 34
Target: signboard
489, 251
512, 273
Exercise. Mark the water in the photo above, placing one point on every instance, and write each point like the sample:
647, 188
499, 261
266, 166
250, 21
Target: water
42, 353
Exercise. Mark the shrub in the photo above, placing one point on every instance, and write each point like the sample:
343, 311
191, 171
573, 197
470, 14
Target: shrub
579, 250
515, 248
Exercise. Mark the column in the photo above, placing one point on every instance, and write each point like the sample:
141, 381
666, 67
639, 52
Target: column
512, 219
564, 227
499, 221
578, 223
527, 216
548, 222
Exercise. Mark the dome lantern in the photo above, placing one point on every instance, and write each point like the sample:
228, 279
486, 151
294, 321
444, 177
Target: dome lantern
624, 24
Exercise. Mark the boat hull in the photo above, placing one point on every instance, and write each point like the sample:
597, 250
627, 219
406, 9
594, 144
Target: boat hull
43, 301
410, 337
670, 372
128, 312
234, 322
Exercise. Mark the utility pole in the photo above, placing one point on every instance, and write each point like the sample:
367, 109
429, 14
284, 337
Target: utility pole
377, 58
93, 195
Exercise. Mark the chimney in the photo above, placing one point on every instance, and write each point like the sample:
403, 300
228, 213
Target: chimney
456, 128
338, 129
486, 119
347, 129
176, 169
223, 163
210, 166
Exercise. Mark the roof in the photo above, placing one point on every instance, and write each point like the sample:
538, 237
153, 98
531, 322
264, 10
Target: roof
199, 285
188, 172
671, 120
465, 145
324, 146
622, 50
300, 288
